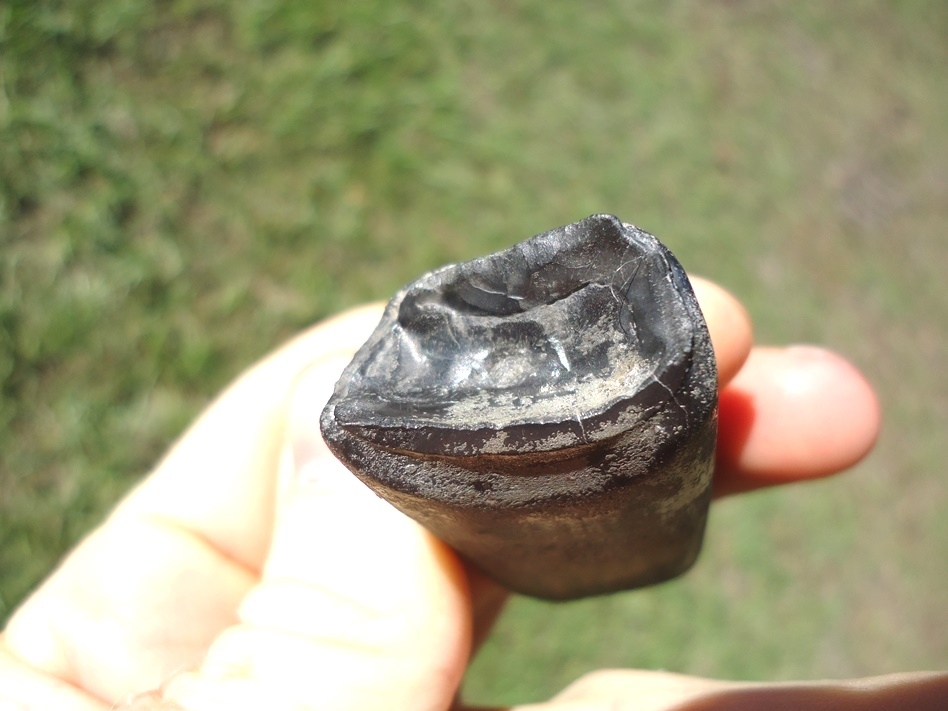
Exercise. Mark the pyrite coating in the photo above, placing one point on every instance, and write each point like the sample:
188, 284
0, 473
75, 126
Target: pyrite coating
549, 411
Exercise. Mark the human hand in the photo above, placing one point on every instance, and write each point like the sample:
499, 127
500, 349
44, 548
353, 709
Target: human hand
251, 570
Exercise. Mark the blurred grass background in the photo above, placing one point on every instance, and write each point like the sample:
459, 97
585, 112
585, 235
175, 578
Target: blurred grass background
185, 183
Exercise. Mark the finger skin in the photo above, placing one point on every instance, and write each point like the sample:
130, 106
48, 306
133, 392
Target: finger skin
792, 414
615, 690
143, 596
241, 433
352, 591
22, 687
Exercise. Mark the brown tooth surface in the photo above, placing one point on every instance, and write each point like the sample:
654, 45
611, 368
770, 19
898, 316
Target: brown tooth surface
550, 411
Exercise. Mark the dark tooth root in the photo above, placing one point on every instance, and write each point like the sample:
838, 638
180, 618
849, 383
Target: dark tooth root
549, 411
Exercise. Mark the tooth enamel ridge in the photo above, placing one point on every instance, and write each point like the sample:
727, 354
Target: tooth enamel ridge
548, 410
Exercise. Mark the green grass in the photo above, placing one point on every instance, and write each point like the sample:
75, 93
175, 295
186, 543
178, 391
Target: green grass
184, 184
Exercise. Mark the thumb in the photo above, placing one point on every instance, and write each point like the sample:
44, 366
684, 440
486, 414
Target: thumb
358, 606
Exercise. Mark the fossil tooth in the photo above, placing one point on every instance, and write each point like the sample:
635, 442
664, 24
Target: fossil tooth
550, 410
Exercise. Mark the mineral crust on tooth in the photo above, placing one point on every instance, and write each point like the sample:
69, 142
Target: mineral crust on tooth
549, 410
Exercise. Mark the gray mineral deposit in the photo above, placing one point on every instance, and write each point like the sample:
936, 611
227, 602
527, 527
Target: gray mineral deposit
549, 411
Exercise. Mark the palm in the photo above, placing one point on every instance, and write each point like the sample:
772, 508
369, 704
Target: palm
283, 582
